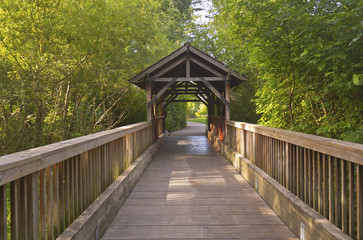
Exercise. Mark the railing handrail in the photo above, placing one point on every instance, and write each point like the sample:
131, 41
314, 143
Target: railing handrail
20, 164
352, 152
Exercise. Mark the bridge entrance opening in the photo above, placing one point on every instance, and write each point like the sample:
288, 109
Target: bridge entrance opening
188, 71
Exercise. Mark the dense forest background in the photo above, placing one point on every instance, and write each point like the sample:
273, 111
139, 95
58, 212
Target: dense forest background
64, 65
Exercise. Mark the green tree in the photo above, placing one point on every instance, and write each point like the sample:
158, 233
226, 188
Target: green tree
176, 117
64, 66
304, 58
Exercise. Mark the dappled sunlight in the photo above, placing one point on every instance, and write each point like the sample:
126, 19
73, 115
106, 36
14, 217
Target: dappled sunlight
209, 181
174, 183
180, 196
184, 142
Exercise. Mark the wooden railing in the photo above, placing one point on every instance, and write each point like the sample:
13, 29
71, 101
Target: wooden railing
326, 174
43, 190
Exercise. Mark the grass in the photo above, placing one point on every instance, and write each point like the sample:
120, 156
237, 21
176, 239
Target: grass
203, 120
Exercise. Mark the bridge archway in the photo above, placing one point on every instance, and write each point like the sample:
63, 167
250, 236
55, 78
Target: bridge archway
188, 71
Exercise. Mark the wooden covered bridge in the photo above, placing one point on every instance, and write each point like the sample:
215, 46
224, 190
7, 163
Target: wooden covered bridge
136, 182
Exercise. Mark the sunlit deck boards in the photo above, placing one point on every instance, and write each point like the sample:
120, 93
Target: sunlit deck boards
190, 192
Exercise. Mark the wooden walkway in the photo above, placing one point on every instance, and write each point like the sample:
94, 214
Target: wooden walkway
191, 192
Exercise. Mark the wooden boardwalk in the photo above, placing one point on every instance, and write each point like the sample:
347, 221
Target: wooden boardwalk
191, 192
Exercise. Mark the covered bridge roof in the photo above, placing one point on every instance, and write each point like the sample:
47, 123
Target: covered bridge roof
187, 64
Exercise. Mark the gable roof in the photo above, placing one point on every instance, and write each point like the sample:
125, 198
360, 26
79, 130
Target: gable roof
201, 65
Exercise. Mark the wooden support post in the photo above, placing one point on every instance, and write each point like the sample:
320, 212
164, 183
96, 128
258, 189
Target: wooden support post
33, 205
344, 195
148, 99
43, 204
228, 96
49, 190
3, 213
187, 67
352, 220
331, 190
14, 208
359, 202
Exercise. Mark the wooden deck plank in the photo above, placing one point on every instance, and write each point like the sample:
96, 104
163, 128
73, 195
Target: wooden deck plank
189, 192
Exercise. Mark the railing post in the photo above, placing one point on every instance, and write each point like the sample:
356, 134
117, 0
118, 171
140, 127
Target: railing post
33, 205
3, 213
287, 165
359, 202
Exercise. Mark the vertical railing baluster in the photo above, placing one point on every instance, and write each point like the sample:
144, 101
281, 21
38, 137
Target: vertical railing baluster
32, 205
359, 202
23, 211
306, 176
3, 213
43, 204
293, 166
66, 193
72, 204
344, 196
315, 181
320, 183
301, 174
352, 198
61, 204
287, 165
55, 200
311, 177
325, 186
331, 191
338, 212
14, 206
49, 188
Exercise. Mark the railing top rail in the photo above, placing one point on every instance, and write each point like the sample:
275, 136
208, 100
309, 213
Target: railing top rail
336, 148
26, 162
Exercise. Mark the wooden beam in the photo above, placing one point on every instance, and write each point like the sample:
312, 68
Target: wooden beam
215, 62
187, 100
171, 100
187, 67
206, 67
202, 100
3, 214
168, 68
187, 93
187, 79
148, 99
158, 65
227, 95
161, 92
213, 90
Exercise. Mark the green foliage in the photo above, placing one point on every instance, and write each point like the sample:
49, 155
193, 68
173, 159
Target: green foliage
176, 116
203, 120
219, 41
202, 111
303, 58
64, 65
192, 109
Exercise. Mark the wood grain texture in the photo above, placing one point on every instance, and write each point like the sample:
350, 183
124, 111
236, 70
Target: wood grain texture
17, 165
345, 150
3, 213
280, 199
188, 191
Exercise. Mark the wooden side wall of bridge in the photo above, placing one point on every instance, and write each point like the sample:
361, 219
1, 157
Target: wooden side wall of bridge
326, 174
43, 190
